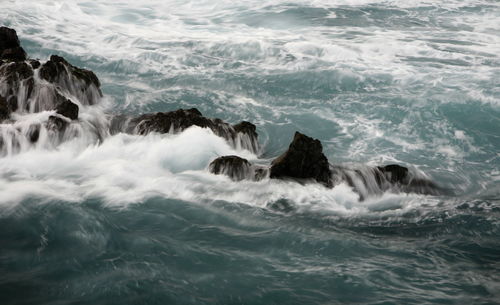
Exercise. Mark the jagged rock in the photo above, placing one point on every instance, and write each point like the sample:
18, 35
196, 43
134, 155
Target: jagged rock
82, 83
304, 159
10, 47
56, 67
164, 122
179, 120
68, 109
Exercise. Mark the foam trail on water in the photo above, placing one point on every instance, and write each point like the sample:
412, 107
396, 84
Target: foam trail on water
128, 169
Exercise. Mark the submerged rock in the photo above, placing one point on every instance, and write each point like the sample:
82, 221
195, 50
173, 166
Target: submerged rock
394, 173
237, 168
56, 123
406, 181
304, 159
242, 135
370, 181
10, 47
233, 166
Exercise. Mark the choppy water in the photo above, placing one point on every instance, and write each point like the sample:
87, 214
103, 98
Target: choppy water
139, 220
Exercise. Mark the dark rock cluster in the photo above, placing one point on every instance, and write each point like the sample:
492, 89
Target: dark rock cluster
304, 161
59, 81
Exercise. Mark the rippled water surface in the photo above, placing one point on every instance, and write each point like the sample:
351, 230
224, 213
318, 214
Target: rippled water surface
139, 220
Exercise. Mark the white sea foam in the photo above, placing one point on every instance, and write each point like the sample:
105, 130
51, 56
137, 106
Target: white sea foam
436, 59
128, 169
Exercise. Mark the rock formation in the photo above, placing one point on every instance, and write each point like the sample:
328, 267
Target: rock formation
242, 135
10, 47
64, 88
304, 159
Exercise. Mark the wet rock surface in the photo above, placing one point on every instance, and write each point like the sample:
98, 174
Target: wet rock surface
4, 109
63, 87
10, 47
68, 109
240, 135
237, 168
16, 81
233, 166
304, 159
57, 67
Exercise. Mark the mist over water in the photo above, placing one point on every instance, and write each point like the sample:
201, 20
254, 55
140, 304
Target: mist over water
104, 218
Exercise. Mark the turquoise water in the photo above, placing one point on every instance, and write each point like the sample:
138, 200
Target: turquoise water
139, 220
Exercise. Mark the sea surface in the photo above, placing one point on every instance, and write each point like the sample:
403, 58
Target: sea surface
139, 219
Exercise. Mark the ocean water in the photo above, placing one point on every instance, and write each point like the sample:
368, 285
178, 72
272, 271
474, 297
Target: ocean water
139, 219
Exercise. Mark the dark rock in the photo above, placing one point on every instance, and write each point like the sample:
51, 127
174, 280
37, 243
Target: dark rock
16, 71
304, 159
58, 67
8, 38
68, 109
237, 168
395, 173
81, 83
34, 132
13, 54
233, 166
179, 120
10, 47
4, 109
35, 64
402, 179
12, 103
164, 122
246, 128
56, 123
16, 75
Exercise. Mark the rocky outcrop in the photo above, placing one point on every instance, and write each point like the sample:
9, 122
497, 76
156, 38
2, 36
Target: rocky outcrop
237, 168
242, 135
10, 47
81, 83
304, 159
62, 87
